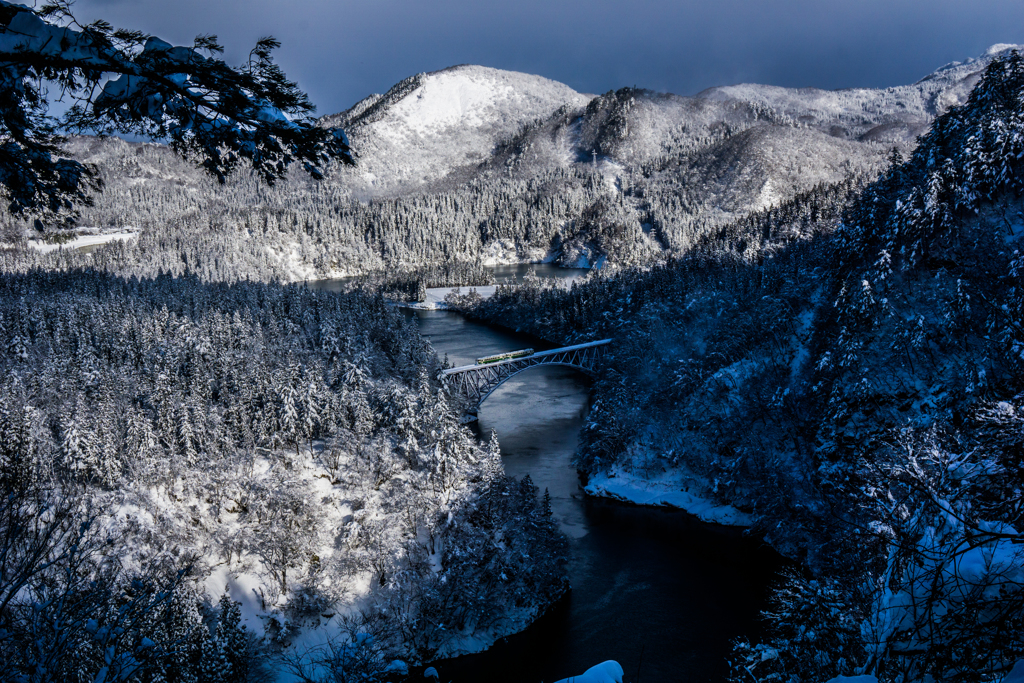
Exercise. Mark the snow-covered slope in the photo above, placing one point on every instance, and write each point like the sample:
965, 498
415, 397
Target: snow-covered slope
431, 124
460, 160
634, 126
707, 160
892, 114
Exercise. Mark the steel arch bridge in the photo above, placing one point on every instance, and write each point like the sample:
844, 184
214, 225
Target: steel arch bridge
476, 382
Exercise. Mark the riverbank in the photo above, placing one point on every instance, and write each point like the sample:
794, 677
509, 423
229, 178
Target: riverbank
668, 489
664, 490
435, 297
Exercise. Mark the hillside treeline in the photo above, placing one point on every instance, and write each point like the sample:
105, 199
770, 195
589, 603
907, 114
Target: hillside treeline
163, 439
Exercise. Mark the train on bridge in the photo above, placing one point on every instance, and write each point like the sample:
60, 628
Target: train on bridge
476, 382
508, 355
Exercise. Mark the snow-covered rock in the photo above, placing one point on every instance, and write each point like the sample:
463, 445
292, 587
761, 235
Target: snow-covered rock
605, 672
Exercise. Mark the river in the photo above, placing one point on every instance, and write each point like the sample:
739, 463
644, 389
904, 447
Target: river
654, 589
659, 592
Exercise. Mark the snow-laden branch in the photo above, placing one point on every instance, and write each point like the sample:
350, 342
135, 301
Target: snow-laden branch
124, 81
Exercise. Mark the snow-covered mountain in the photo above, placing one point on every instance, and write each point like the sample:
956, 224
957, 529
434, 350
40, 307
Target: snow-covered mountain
431, 124
473, 161
896, 114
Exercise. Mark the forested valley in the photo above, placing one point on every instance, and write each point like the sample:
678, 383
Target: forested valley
847, 367
187, 441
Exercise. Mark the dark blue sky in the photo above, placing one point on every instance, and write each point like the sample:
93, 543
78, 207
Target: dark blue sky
342, 50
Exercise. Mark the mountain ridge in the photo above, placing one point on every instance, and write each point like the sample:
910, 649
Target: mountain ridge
473, 163
405, 121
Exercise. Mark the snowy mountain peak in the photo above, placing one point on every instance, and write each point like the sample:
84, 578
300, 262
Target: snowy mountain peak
430, 124
895, 114
474, 96
1000, 48
972, 64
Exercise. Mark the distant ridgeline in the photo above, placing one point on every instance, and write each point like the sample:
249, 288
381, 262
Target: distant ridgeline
856, 381
161, 438
530, 170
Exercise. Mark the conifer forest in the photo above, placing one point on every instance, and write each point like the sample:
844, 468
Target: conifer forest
215, 472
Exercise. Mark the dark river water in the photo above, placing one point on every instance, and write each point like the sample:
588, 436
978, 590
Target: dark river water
659, 592
517, 271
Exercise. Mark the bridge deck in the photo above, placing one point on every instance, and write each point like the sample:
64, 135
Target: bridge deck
539, 354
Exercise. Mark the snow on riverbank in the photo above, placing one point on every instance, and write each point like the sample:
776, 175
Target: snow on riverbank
605, 672
665, 490
83, 241
436, 295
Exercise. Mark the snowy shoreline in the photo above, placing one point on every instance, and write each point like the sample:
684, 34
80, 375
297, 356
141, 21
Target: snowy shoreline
435, 299
664, 492
83, 241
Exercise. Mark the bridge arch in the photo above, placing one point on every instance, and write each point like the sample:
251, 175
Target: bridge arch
476, 382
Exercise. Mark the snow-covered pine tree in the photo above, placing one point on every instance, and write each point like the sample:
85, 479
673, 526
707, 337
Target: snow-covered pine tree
222, 115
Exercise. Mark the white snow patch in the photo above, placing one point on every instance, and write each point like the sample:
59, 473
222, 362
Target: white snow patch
999, 48
664, 490
605, 672
612, 173
242, 588
768, 197
83, 241
459, 99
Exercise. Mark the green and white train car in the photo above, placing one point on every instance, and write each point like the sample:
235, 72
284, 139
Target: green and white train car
509, 355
